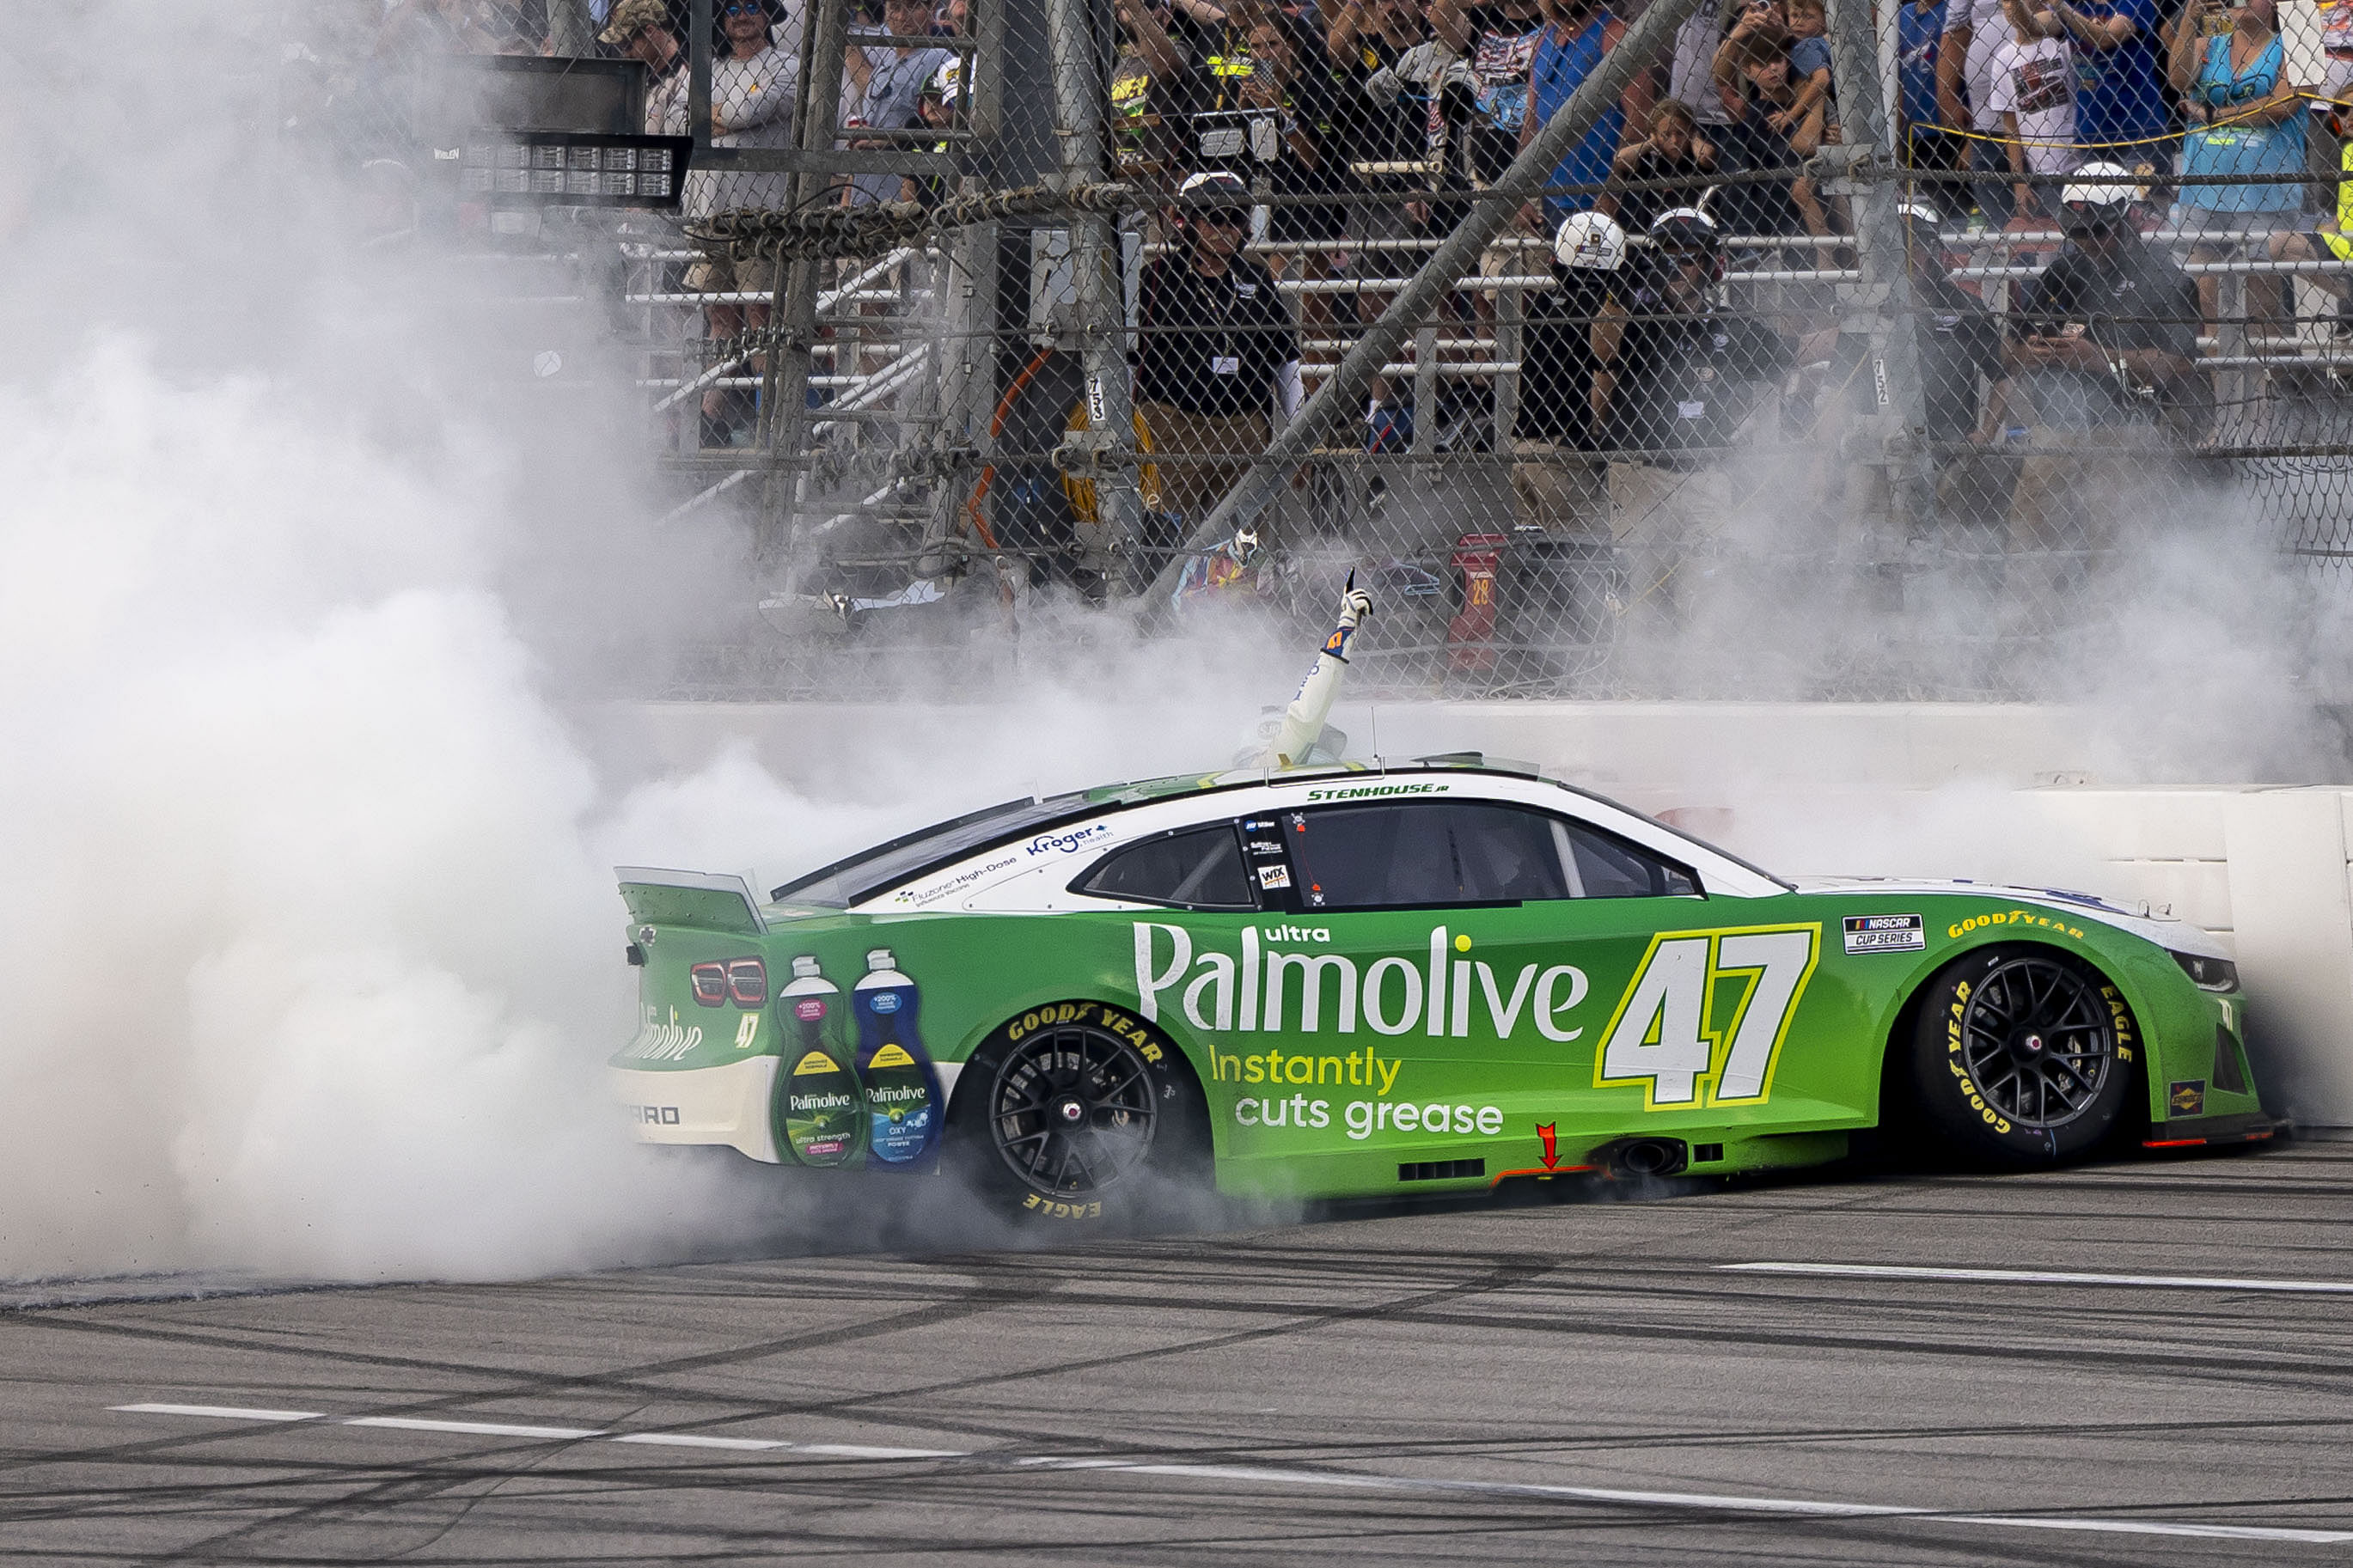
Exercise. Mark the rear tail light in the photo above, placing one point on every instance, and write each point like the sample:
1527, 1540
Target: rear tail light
747, 982
710, 984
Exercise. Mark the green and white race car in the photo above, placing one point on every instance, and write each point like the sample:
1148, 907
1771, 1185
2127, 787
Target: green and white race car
1368, 979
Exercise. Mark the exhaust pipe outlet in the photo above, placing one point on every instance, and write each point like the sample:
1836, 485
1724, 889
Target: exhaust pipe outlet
1638, 1157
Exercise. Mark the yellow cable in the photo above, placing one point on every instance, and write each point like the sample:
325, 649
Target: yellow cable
2141, 141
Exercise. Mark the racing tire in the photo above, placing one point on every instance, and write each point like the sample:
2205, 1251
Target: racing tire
2021, 1056
1079, 1112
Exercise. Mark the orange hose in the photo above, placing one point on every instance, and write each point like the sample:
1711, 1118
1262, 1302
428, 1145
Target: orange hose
972, 518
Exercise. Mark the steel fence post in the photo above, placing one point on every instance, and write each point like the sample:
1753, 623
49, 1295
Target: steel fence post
1880, 308
820, 116
698, 66
1079, 92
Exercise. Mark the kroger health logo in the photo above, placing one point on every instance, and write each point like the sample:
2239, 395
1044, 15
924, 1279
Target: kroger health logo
1063, 843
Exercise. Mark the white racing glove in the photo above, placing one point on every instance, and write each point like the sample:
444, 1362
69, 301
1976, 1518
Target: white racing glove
1303, 722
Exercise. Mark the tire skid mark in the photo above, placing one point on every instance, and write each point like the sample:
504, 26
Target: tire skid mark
522, 1385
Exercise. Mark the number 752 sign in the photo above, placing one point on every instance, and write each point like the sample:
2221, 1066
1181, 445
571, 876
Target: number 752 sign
1666, 1035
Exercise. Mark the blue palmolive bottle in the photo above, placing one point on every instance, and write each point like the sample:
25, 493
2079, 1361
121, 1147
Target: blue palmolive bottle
902, 1089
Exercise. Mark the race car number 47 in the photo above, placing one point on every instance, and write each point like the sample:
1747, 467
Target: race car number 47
1666, 1035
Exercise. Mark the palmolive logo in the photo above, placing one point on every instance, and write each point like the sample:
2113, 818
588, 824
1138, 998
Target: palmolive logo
1249, 992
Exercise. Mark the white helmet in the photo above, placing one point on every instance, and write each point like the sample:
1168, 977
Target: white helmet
2099, 185
1590, 240
946, 84
1918, 211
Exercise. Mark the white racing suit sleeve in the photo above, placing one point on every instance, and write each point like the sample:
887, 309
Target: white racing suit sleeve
1303, 722
1290, 391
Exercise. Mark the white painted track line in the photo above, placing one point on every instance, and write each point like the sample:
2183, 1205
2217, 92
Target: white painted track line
2044, 1277
1696, 1503
1705, 1502
474, 1428
222, 1412
696, 1440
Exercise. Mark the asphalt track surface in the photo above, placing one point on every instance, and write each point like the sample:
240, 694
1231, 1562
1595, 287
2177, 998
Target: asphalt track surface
1586, 1380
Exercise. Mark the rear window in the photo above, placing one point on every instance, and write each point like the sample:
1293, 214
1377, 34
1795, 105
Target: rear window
1200, 869
904, 858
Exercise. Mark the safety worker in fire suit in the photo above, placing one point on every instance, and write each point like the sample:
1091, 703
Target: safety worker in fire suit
1557, 484
1682, 378
1218, 349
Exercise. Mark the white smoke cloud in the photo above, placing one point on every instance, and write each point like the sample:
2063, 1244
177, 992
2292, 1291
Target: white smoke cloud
313, 954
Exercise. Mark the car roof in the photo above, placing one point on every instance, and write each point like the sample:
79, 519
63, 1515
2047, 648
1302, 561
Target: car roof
1036, 841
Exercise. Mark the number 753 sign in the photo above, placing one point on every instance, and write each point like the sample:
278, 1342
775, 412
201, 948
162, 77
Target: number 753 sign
1666, 1036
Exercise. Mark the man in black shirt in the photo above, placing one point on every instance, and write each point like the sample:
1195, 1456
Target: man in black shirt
2108, 350
1556, 483
1684, 377
1217, 348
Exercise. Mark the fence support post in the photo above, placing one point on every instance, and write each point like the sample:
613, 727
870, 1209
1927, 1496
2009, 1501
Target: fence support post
795, 315
1457, 255
1893, 435
1109, 451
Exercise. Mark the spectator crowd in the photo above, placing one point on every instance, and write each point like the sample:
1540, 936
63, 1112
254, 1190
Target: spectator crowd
1344, 136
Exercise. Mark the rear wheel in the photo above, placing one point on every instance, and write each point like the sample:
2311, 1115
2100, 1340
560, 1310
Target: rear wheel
2022, 1055
1080, 1112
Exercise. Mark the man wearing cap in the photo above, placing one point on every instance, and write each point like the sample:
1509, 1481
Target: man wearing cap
1556, 484
935, 108
882, 84
642, 30
1682, 378
1218, 350
2106, 346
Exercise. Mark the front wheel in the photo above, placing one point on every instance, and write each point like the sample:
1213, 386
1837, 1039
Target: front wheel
2022, 1056
1080, 1112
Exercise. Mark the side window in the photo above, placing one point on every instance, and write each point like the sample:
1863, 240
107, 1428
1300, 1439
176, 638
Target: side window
1423, 852
1200, 869
1604, 866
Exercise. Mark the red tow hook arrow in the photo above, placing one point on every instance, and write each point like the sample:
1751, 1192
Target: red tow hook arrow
1544, 1130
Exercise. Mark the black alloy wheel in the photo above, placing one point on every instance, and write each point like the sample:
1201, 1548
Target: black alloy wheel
2036, 1037
2022, 1054
1072, 1111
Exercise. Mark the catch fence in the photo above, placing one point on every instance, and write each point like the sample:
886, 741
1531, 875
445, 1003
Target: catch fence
1188, 313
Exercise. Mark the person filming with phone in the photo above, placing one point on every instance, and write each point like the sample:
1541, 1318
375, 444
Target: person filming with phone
2106, 350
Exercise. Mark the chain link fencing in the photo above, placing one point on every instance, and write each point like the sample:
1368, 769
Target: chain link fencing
1692, 349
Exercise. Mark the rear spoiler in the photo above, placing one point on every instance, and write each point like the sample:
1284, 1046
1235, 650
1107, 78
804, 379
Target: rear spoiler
709, 901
